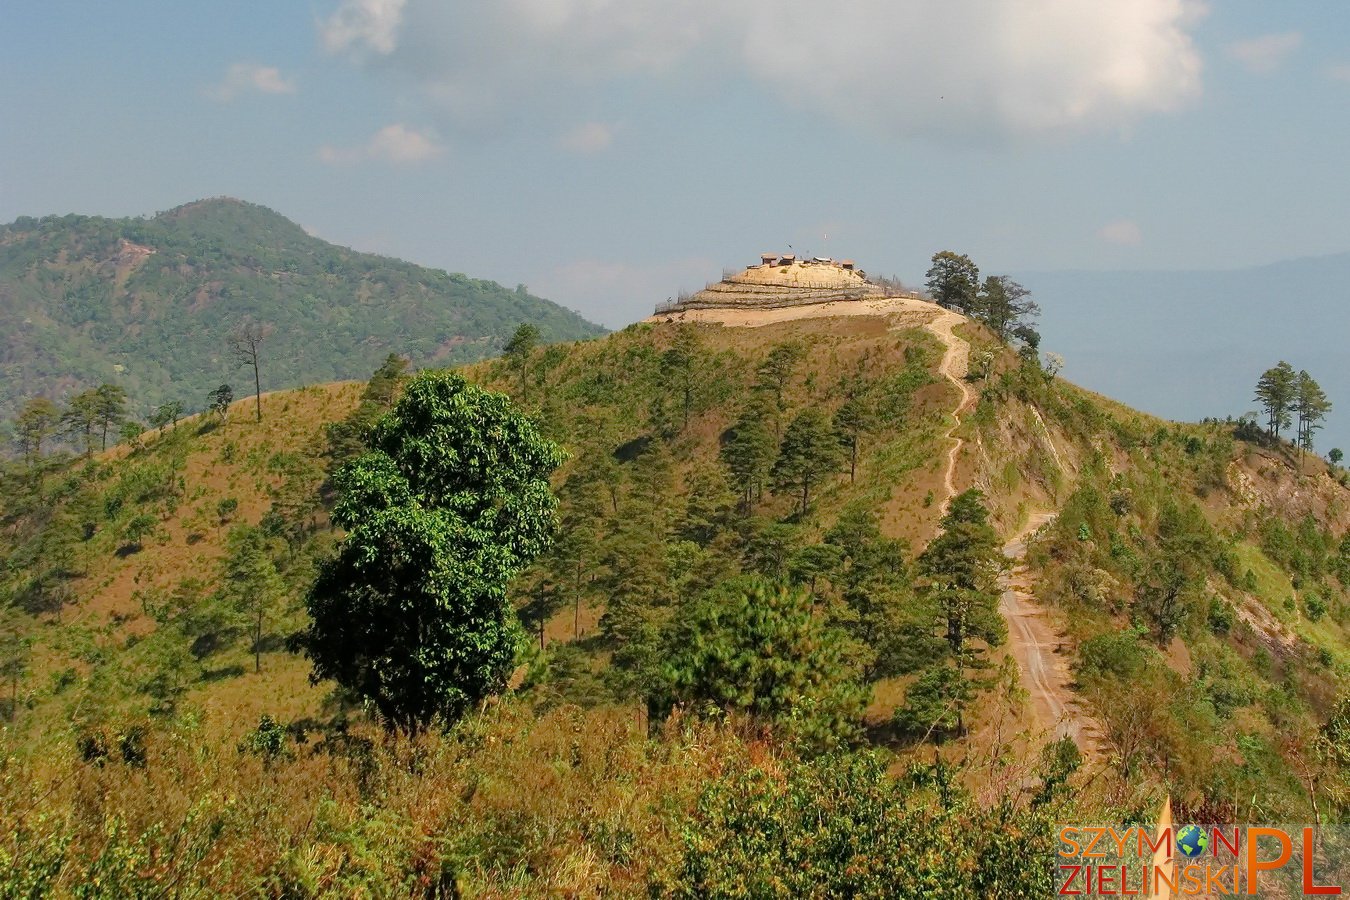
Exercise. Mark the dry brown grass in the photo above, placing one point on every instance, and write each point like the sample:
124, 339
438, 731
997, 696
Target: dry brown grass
568, 803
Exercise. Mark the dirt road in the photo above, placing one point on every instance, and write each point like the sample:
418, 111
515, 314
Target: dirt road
1036, 647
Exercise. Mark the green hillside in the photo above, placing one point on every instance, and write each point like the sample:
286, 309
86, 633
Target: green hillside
147, 303
1196, 577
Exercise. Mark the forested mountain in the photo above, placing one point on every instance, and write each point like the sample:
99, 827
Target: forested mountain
148, 303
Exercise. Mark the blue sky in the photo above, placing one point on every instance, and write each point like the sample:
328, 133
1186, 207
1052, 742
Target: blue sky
609, 153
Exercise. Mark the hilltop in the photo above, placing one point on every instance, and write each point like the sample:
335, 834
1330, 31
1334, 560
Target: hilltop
147, 303
1181, 597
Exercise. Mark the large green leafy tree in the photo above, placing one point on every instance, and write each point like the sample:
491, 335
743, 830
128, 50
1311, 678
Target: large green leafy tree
758, 647
1004, 305
451, 502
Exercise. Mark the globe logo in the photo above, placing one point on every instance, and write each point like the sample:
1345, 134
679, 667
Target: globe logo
1192, 841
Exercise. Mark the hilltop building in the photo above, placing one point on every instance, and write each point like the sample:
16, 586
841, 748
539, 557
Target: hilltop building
779, 280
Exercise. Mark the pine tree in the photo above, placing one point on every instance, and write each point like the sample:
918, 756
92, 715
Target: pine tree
518, 351
575, 560
758, 647
854, 419
775, 374
110, 409
959, 572
874, 582
81, 418
810, 451
749, 453
37, 421
1276, 392
1004, 305
1312, 406
251, 582
679, 366
954, 281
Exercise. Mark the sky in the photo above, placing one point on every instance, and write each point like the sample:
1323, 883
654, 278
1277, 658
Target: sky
610, 153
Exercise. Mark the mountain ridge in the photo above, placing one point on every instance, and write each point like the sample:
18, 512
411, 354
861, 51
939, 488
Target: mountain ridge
148, 302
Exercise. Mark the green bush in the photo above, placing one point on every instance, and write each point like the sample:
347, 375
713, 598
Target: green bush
1114, 655
758, 647
840, 826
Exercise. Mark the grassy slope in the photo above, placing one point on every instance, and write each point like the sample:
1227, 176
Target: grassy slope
1033, 446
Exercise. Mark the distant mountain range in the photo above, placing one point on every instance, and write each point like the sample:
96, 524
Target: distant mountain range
148, 303
1191, 344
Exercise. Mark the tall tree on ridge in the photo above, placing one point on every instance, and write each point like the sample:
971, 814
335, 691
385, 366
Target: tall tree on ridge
1003, 305
245, 340
1311, 405
80, 417
37, 421
110, 408
954, 281
518, 350
1276, 391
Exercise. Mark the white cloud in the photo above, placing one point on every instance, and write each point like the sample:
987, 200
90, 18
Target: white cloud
363, 25
397, 144
244, 77
922, 67
1122, 232
1339, 72
1266, 53
588, 138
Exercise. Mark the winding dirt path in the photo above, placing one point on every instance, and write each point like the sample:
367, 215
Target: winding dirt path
955, 363
1038, 651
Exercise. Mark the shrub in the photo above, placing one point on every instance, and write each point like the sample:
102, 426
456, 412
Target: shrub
1314, 607
758, 647
1114, 655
